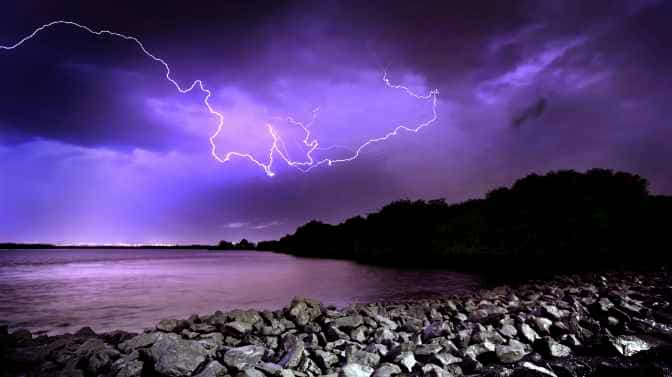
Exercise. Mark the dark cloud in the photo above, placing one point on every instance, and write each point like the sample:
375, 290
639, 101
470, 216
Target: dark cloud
594, 77
529, 113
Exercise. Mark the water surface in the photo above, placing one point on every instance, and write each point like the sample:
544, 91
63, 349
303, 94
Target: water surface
58, 291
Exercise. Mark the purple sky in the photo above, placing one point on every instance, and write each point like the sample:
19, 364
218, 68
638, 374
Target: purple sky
97, 146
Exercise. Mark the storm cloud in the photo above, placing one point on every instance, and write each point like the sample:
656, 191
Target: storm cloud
96, 146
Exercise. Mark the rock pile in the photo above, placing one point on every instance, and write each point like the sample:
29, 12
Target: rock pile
572, 326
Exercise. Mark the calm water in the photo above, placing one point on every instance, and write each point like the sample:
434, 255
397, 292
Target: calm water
59, 291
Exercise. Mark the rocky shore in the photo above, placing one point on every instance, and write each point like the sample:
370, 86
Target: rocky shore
617, 324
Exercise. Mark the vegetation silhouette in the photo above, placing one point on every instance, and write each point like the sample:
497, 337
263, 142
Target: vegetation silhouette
563, 221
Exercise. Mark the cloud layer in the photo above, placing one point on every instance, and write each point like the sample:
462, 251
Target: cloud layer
96, 146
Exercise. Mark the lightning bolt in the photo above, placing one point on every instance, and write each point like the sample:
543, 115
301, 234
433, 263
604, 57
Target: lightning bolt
278, 147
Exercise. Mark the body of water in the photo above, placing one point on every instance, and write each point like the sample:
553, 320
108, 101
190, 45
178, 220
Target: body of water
58, 291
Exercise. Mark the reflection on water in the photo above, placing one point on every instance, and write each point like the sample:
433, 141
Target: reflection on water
62, 290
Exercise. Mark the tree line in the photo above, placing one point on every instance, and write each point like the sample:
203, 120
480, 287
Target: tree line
563, 220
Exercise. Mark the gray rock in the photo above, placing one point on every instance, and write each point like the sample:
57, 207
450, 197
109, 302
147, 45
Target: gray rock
177, 357
528, 333
511, 353
140, 341
293, 348
348, 323
435, 330
555, 349
446, 359
247, 316
628, 345
538, 369
212, 369
86, 332
245, 357
553, 312
250, 372
169, 325
270, 369
237, 328
302, 311
406, 360
359, 334
363, 358
432, 370
212, 342
475, 350
387, 370
325, 359
428, 349
508, 331
383, 335
355, 370
97, 355
543, 325
385, 322
202, 328
127, 366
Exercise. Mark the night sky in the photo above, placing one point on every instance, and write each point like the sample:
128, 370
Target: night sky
96, 146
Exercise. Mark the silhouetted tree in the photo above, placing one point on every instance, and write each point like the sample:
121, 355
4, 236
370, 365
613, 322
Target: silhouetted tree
563, 220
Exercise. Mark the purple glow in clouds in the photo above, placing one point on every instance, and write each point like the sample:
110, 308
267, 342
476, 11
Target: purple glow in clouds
277, 147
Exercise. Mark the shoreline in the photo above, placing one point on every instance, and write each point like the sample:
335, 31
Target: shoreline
588, 325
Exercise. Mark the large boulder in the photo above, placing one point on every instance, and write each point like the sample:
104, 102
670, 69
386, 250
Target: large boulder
177, 357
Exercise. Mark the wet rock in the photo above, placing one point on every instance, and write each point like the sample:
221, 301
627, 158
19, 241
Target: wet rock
387, 370
245, 357
432, 370
508, 331
532, 370
356, 370
550, 347
406, 360
528, 334
553, 312
176, 357
446, 359
511, 353
543, 325
628, 345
